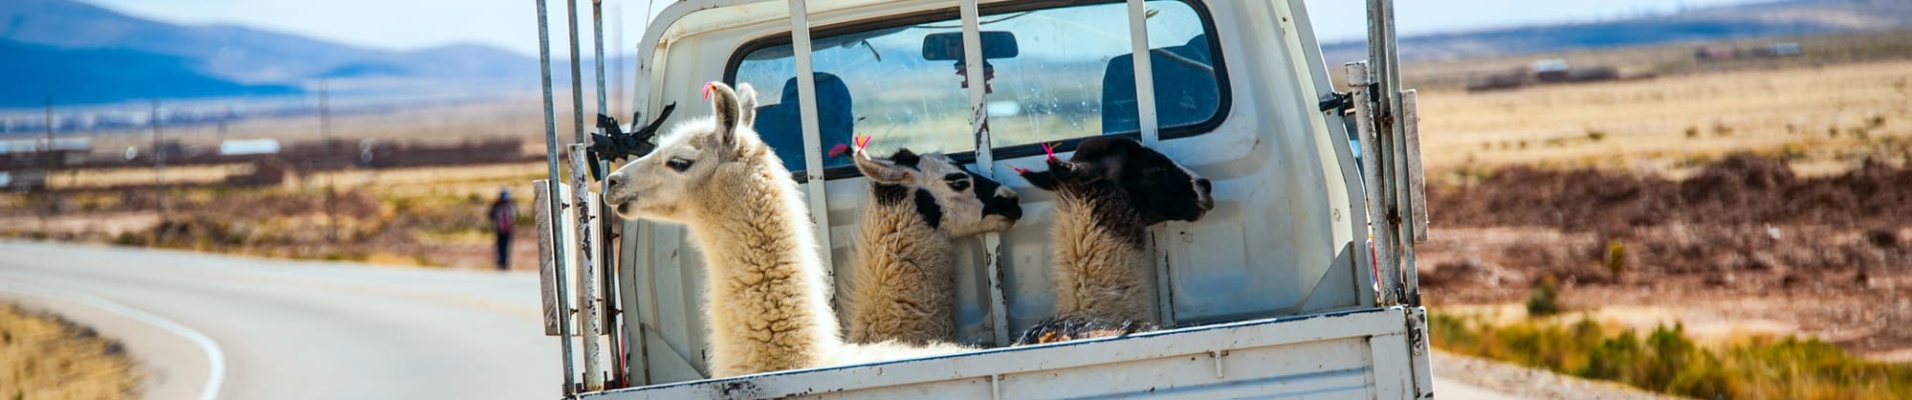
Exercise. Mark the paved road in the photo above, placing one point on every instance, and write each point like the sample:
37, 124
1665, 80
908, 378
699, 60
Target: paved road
297, 330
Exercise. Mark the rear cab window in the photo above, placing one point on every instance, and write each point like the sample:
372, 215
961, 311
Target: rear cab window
1056, 74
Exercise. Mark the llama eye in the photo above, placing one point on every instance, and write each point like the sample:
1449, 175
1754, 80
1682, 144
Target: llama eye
957, 181
678, 164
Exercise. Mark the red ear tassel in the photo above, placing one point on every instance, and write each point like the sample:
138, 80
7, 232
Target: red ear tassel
1050, 149
707, 87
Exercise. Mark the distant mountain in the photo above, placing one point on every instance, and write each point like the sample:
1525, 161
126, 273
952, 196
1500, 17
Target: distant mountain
104, 75
1779, 18
64, 32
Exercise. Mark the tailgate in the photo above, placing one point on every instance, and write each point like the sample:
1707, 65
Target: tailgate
1353, 354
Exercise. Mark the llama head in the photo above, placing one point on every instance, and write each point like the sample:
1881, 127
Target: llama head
702, 154
1156, 187
947, 196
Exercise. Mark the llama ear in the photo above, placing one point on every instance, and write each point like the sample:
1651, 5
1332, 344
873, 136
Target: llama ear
882, 171
905, 157
1045, 180
727, 112
748, 97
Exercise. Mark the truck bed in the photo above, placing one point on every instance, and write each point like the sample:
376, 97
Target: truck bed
1351, 354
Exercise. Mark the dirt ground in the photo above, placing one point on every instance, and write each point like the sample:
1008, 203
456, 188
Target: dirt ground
1743, 247
433, 216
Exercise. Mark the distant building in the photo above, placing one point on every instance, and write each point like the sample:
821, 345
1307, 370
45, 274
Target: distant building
1551, 70
248, 147
1716, 52
23, 181
1786, 49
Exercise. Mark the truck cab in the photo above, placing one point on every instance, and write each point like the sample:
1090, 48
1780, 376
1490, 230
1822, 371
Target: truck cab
1298, 282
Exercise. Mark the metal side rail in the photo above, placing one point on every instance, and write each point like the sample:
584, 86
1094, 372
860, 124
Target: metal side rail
1349, 354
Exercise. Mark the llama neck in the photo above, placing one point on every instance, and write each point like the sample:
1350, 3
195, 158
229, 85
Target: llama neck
902, 279
1101, 267
767, 303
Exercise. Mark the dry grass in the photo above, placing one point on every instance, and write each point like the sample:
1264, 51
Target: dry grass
45, 357
1665, 360
1834, 115
144, 175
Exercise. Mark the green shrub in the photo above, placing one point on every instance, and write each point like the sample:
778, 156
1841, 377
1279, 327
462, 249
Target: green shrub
1545, 300
1616, 258
1667, 361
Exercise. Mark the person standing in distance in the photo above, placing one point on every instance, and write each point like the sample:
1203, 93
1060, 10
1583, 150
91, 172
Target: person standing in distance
503, 213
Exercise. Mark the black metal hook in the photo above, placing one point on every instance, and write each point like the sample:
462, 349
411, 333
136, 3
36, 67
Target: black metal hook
616, 145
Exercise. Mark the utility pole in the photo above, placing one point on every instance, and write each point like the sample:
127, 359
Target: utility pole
223, 119
325, 133
159, 163
46, 185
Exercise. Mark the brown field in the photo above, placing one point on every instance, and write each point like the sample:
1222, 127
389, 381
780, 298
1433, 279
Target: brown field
514, 117
1825, 119
1674, 59
1745, 201
46, 357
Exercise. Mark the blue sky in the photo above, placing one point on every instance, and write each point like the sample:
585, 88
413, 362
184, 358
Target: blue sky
417, 24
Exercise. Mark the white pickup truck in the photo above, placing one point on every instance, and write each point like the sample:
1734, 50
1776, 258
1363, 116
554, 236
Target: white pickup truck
1299, 283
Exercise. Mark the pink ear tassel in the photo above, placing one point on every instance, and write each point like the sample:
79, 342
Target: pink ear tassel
863, 142
1050, 149
707, 87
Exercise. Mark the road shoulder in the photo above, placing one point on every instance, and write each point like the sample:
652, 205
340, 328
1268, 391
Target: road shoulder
173, 366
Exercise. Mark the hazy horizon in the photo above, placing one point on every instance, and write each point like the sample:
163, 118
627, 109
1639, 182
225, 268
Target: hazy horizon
421, 24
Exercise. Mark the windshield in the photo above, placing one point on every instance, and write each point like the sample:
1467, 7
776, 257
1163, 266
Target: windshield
1055, 74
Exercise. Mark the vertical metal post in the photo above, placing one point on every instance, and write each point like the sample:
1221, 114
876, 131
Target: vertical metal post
586, 266
617, 58
1144, 74
557, 204
985, 160
1149, 127
587, 298
606, 254
577, 76
1361, 88
1391, 132
812, 139
597, 31
1382, 198
49, 142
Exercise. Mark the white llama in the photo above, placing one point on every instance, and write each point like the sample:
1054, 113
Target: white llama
1107, 195
766, 296
903, 284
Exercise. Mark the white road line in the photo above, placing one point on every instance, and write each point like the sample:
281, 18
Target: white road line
214, 356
